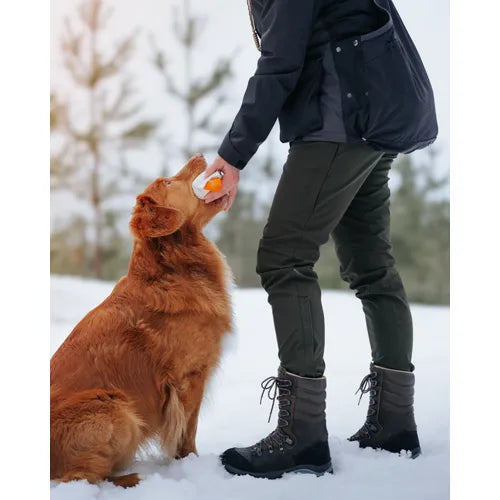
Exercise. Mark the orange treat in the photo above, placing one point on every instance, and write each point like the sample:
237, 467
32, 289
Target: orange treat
214, 185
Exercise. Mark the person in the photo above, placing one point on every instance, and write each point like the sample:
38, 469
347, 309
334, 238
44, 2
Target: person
349, 89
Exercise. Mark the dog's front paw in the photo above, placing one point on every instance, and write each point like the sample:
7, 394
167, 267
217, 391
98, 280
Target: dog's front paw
184, 451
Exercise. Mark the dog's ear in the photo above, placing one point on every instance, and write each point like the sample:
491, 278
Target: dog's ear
150, 220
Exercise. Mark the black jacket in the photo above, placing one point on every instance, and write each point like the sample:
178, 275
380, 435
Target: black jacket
333, 70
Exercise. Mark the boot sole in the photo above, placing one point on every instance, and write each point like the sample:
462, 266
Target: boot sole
414, 453
404, 442
317, 470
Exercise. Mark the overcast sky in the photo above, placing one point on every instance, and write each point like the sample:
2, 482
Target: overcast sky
227, 29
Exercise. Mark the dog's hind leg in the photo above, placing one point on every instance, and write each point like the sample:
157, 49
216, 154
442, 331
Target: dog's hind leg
93, 434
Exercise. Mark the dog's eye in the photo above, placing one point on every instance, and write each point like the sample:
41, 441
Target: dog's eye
167, 182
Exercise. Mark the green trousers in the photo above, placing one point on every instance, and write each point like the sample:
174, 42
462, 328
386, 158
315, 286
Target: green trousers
339, 190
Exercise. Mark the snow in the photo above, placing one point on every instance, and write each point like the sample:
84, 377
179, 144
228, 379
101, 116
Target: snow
231, 415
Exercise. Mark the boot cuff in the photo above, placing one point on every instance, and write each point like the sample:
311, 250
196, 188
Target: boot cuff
318, 383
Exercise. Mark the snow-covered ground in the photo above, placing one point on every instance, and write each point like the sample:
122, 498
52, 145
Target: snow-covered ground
231, 414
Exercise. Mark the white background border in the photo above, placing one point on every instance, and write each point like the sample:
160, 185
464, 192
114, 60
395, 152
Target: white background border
475, 263
24, 257
24, 254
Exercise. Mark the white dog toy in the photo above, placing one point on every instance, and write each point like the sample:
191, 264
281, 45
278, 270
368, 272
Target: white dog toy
211, 184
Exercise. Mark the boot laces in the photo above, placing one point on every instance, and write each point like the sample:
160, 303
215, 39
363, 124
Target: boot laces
276, 388
368, 385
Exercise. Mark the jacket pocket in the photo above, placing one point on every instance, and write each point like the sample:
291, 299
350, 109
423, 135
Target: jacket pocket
398, 94
301, 113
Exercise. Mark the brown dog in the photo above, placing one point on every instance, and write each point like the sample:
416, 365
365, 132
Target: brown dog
135, 367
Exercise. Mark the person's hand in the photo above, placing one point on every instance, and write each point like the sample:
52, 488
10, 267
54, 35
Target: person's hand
229, 181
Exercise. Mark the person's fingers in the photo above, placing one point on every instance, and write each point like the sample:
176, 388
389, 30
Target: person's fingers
211, 169
214, 196
226, 187
216, 165
226, 200
229, 181
232, 196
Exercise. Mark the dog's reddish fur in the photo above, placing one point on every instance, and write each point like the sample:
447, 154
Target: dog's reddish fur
135, 367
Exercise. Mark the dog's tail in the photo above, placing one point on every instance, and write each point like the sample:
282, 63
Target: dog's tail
175, 423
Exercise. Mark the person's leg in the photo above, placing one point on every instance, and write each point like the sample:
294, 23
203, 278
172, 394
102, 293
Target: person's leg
318, 183
363, 246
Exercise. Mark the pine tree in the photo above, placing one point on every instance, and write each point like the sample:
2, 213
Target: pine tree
201, 95
420, 230
420, 233
237, 233
107, 126
240, 230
